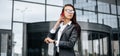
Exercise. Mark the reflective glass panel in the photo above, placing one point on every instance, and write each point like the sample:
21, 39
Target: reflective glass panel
38, 1
5, 14
53, 13
17, 38
28, 12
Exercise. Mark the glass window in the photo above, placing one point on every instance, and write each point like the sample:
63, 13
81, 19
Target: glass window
90, 47
118, 10
79, 15
96, 47
76, 49
5, 14
17, 38
113, 9
38, 1
28, 12
107, 19
103, 7
79, 3
118, 7
83, 4
105, 45
116, 48
119, 21
53, 13
59, 2
67, 2
89, 16
90, 5
101, 18
85, 43
86, 16
101, 46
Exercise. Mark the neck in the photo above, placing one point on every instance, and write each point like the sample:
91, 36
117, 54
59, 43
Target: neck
66, 21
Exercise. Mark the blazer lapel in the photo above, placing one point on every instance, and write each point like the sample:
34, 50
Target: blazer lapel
57, 33
66, 28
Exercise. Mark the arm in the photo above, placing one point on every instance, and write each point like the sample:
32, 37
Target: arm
52, 33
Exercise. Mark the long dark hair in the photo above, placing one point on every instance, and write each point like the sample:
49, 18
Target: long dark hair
74, 21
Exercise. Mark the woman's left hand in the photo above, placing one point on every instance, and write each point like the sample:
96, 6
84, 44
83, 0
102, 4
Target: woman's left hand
49, 40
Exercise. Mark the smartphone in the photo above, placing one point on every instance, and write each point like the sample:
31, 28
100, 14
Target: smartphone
62, 14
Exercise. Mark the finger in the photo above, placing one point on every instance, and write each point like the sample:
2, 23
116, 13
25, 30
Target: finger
45, 40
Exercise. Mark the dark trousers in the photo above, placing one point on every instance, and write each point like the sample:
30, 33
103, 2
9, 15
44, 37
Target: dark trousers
57, 54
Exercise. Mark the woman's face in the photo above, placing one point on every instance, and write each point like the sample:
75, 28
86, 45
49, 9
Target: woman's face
69, 12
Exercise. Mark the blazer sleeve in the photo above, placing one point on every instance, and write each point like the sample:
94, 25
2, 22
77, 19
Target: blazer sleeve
71, 42
52, 35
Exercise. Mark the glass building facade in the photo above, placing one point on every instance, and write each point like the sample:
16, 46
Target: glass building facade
18, 15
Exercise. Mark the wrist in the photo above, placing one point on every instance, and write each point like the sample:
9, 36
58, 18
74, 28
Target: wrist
58, 22
55, 41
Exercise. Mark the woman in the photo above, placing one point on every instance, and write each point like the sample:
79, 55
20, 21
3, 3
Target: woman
65, 32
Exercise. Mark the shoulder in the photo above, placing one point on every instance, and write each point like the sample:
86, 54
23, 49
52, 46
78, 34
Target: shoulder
76, 26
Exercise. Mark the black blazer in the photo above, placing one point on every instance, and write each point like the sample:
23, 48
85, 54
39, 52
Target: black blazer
67, 41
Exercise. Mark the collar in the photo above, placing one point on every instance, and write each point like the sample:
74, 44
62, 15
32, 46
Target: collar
69, 23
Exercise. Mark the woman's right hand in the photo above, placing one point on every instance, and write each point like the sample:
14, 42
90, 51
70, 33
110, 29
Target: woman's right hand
61, 19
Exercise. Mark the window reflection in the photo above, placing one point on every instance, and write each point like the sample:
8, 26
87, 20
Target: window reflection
119, 21
68, 2
85, 4
79, 15
4, 44
115, 44
107, 19
90, 5
28, 12
113, 9
96, 46
103, 7
84, 38
116, 48
101, 45
53, 13
59, 2
105, 45
17, 38
89, 17
5, 14
118, 10
38, 1
55, 2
